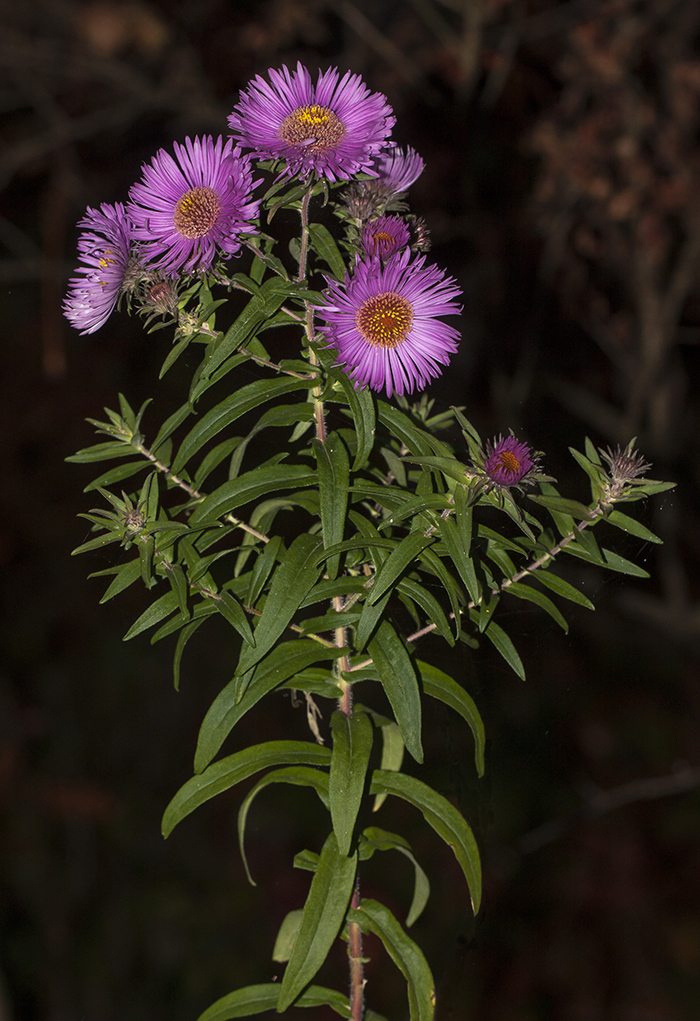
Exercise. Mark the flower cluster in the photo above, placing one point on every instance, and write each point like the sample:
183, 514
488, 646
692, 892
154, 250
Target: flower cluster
197, 204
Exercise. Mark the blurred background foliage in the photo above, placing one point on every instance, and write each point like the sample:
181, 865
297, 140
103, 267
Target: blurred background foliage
562, 188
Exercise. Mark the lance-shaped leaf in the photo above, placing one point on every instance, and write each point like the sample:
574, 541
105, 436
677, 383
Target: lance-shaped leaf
226, 773
283, 662
156, 612
291, 582
427, 601
458, 547
260, 307
324, 913
361, 403
500, 640
286, 936
232, 611
408, 550
352, 745
325, 246
125, 575
218, 418
441, 686
251, 486
392, 753
256, 999
563, 588
406, 955
376, 839
398, 678
632, 526
517, 588
444, 818
298, 776
333, 482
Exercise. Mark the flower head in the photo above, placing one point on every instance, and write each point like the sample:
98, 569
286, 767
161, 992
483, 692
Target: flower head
188, 208
108, 268
508, 462
334, 128
625, 465
394, 172
383, 321
385, 236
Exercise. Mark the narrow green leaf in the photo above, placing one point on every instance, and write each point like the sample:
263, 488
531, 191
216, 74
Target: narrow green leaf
444, 818
221, 776
361, 404
118, 474
285, 660
563, 506
563, 588
458, 548
398, 678
182, 640
381, 840
392, 755
156, 612
352, 745
232, 611
517, 588
298, 776
617, 563
324, 913
427, 601
170, 425
407, 956
260, 307
326, 248
256, 999
632, 526
443, 687
101, 452
333, 482
500, 640
287, 935
245, 399
396, 563
370, 618
126, 575
249, 487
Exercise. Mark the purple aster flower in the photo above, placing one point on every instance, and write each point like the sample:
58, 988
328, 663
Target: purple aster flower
385, 237
334, 128
383, 321
398, 170
186, 209
507, 462
107, 270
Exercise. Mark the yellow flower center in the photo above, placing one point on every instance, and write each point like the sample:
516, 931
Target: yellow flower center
508, 462
385, 320
317, 128
197, 212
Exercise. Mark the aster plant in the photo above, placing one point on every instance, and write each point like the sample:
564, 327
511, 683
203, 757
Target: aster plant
370, 506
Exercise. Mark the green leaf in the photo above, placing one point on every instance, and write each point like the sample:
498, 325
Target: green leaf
392, 755
563, 588
221, 776
260, 307
399, 681
287, 935
125, 575
618, 563
101, 452
458, 545
400, 426
170, 425
500, 640
326, 248
381, 840
408, 550
632, 526
156, 612
563, 506
517, 588
427, 601
251, 486
298, 776
352, 745
361, 404
333, 482
324, 913
256, 999
118, 474
182, 640
245, 399
232, 611
291, 582
283, 662
444, 818
407, 956
443, 687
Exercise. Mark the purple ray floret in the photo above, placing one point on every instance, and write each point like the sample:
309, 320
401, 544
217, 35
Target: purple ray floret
190, 208
384, 321
103, 249
333, 128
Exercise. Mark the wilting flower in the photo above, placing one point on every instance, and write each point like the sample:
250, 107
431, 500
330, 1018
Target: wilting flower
383, 321
333, 128
188, 208
394, 172
625, 467
108, 268
385, 236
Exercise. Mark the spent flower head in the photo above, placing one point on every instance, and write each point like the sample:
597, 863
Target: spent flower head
109, 268
383, 320
394, 171
333, 128
188, 208
625, 465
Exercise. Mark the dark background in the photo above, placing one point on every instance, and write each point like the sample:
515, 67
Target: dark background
562, 188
